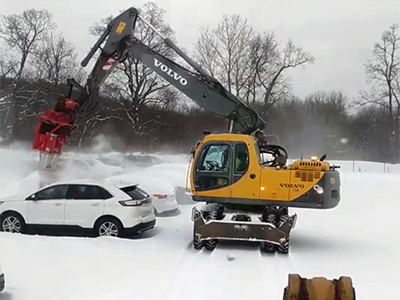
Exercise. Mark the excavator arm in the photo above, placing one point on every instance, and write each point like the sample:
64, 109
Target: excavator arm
119, 43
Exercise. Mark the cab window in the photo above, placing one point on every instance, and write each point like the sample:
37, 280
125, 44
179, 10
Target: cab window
215, 158
241, 158
213, 167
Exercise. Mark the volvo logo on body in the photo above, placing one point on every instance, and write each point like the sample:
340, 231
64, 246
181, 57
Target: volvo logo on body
292, 185
170, 72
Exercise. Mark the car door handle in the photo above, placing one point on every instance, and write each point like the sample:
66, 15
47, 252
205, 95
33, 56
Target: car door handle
58, 204
95, 204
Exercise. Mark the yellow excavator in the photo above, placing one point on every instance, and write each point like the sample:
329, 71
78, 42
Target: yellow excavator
247, 197
242, 180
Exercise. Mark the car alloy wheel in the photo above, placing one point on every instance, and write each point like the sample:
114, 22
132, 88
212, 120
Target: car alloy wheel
108, 229
11, 224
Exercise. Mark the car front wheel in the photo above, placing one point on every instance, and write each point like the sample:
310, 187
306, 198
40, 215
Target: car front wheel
108, 227
12, 222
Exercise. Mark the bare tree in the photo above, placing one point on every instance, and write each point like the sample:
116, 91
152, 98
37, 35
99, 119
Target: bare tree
8, 63
270, 68
383, 75
264, 55
248, 64
133, 85
55, 59
23, 32
226, 51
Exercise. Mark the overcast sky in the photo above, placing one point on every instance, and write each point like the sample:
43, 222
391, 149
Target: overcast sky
340, 34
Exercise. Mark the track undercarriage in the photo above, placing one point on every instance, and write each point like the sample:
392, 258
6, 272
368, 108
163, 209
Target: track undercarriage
270, 227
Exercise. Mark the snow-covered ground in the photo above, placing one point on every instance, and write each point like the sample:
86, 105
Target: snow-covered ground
359, 238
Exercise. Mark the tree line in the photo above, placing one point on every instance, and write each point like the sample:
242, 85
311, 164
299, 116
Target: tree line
138, 110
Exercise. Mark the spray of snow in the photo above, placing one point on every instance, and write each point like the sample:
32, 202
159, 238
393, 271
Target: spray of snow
102, 144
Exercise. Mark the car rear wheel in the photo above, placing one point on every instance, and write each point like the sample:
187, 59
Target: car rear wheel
12, 222
108, 227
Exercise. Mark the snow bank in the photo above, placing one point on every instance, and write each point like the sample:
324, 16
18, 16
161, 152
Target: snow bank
147, 181
356, 239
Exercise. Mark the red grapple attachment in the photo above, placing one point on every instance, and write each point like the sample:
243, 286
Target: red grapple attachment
53, 129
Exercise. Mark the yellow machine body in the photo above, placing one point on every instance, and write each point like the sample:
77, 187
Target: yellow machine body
319, 288
229, 168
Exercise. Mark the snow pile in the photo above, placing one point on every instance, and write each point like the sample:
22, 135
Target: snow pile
156, 179
174, 158
146, 181
17, 173
173, 172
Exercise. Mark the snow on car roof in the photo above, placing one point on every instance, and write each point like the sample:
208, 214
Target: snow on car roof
120, 183
109, 185
102, 182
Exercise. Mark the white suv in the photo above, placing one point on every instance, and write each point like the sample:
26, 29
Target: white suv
107, 209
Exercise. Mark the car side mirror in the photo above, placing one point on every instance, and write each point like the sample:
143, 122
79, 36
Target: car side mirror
32, 197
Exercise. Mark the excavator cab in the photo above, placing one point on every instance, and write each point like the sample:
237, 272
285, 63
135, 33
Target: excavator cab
231, 168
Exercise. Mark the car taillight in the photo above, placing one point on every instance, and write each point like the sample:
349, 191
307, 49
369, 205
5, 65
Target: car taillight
158, 196
132, 202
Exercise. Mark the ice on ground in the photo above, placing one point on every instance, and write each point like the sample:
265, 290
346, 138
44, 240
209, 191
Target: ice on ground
358, 239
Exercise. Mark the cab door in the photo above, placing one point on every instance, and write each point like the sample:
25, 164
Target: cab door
245, 172
212, 173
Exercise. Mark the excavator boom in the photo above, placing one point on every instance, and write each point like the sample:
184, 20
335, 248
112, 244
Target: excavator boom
202, 88
119, 43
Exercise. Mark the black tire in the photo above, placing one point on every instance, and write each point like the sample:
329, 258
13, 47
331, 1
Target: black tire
285, 294
198, 245
12, 222
211, 244
283, 249
269, 216
108, 226
268, 247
